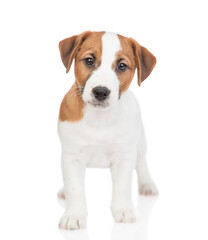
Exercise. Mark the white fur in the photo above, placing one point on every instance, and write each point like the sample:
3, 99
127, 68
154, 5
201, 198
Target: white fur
105, 138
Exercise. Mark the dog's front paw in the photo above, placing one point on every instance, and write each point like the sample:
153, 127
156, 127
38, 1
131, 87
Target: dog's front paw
124, 215
73, 221
148, 188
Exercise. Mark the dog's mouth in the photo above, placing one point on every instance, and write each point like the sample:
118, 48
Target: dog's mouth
98, 104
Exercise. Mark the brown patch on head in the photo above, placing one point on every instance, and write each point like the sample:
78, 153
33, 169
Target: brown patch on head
133, 55
79, 47
126, 55
91, 48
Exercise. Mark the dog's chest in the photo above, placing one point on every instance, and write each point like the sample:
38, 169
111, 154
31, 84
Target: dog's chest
102, 135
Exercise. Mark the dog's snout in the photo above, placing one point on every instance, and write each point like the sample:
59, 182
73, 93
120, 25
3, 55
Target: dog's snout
101, 93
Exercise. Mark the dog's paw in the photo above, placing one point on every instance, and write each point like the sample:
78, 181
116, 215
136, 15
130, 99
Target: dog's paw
72, 221
125, 215
148, 188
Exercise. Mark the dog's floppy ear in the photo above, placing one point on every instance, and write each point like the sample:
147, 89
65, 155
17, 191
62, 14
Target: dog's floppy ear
145, 60
69, 47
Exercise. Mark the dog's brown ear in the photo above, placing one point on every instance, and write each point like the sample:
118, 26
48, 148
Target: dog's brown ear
69, 47
145, 60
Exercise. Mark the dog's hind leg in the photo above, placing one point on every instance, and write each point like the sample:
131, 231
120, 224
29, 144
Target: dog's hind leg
146, 184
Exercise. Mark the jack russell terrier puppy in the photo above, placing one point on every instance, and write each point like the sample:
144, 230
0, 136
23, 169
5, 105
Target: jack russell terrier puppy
100, 123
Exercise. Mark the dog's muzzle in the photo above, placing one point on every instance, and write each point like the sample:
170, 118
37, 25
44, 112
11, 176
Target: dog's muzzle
101, 93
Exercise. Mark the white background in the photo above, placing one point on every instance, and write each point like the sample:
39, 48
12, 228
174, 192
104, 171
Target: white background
173, 102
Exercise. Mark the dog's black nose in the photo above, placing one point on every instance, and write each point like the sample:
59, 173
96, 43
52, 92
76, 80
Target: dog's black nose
101, 93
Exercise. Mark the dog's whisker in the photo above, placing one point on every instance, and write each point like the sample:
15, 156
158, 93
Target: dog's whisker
75, 93
80, 88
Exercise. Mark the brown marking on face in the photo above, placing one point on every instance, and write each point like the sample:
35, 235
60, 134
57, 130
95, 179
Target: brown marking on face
89, 45
133, 55
126, 55
90, 48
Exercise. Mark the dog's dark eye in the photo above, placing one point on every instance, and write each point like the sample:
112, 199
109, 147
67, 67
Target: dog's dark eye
89, 61
121, 67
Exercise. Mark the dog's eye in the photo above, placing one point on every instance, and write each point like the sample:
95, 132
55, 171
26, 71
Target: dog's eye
121, 67
89, 61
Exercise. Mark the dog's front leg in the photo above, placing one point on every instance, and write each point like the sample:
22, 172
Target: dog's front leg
122, 207
73, 171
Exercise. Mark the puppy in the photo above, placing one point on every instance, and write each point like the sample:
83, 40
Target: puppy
99, 121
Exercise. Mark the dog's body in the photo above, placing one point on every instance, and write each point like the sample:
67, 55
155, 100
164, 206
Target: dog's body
100, 123
102, 138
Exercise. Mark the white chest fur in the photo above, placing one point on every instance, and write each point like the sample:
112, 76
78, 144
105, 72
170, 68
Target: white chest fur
103, 136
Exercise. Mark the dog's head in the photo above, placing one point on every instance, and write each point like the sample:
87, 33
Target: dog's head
105, 64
